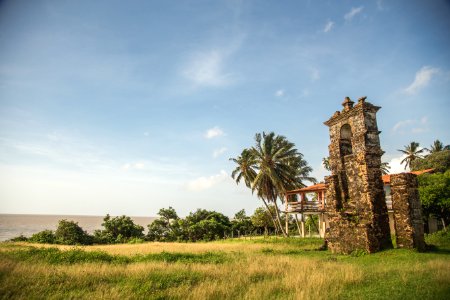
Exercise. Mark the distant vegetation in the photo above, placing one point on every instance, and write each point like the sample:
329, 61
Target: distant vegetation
201, 225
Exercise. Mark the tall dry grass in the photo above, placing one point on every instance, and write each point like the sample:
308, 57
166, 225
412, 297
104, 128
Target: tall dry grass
251, 271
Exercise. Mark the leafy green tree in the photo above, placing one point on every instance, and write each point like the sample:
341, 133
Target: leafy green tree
434, 191
262, 219
206, 225
166, 228
439, 161
43, 237
412, 153
70, 233
241, 223
312, 223
118, 230
280, 168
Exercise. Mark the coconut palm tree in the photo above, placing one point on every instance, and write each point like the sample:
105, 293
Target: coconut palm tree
437, 146
326, 163
385, 167
246, 170
412, 153
280, 167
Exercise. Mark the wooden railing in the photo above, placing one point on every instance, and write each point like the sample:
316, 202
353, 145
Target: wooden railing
305, 206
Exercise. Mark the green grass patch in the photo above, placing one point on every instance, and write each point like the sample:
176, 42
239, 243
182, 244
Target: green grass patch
440, 239
173, 257
77, 256
155, 284
294, 241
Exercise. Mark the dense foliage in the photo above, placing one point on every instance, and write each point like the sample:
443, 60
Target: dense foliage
118, 230
439, 161
69, 233
434, 190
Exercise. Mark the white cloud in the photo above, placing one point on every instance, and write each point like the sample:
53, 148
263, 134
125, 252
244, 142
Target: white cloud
279, 93
219, 152
204, 183
213, 132
401, 124
328, 26
423, 77
411, 125
396, 166
135, 166
206, 69
353, 12
315, 74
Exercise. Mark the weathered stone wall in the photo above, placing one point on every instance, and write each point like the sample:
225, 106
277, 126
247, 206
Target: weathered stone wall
358, 215
407, 211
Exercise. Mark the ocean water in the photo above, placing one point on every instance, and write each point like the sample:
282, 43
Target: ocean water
14, 225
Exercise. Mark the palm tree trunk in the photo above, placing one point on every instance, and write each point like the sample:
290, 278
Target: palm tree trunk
279, 218
298, 226
270, 215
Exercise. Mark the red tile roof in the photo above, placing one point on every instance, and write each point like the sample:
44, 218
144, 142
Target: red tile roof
387, 178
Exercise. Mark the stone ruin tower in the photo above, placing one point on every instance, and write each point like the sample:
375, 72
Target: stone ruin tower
356, 205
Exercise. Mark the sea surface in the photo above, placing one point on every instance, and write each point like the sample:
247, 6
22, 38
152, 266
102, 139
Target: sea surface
12, 225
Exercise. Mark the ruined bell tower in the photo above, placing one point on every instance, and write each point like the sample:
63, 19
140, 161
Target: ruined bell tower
356, 206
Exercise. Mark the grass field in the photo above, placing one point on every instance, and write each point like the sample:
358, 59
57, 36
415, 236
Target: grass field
233, 269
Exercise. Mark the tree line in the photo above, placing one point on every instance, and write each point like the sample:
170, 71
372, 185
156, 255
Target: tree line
201, 225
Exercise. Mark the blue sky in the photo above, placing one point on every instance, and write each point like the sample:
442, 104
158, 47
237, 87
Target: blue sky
125, 107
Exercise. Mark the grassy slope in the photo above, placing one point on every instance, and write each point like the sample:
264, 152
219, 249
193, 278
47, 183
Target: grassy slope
237, 269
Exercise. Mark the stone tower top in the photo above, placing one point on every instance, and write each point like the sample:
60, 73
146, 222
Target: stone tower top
347, 104
362, 107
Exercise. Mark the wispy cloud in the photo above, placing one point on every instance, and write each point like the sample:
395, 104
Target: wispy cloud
411, 125
315, 74
207, 69
136, 166
204, 183
422, 79
214, 132
328, 26
353, 12
279, 93
219, 152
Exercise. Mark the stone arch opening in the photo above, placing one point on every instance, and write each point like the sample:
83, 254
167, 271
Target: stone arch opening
345, 141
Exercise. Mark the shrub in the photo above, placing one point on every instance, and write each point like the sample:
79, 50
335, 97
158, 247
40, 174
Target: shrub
118, 230
20, 238
70, 233
43, 237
